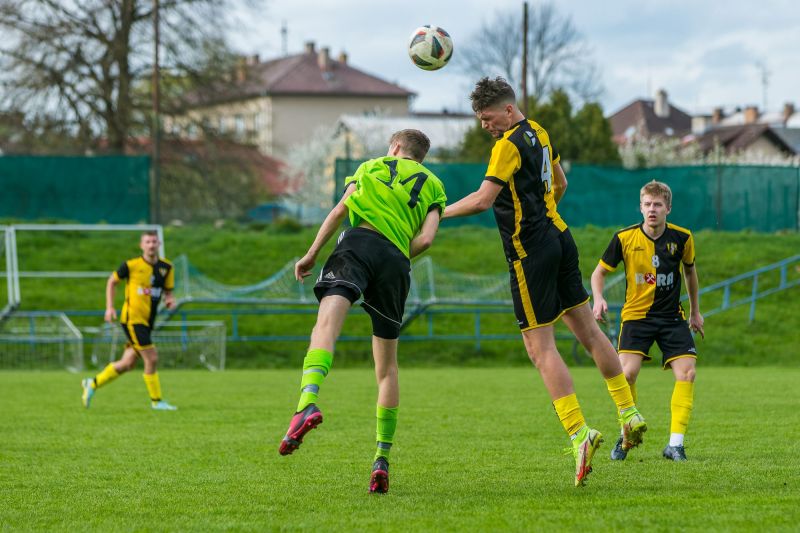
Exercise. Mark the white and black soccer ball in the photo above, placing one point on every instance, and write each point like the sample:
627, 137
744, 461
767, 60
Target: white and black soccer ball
430, 47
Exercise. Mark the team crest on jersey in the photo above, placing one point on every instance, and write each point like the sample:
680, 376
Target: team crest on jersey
162, 271
672, 248
530, 139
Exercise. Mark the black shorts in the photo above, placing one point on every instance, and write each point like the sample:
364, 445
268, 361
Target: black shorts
547, 282
138, 336
671, 334
365, 263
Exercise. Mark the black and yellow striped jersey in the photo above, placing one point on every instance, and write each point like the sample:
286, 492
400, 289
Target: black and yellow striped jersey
146, 283
653, 269
522, 162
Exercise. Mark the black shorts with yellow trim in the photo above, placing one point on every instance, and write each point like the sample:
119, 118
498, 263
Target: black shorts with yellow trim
672, 335
547, 282
138, 336
367, 264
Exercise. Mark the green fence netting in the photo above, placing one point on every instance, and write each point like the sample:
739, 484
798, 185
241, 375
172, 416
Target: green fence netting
113, 189
759, 198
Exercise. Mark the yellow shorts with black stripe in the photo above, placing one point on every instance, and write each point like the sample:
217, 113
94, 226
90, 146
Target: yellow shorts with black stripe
547, 282
138, 336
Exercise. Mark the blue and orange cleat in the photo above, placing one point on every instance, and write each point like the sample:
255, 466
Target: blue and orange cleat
379, 480
301, 423
88, 392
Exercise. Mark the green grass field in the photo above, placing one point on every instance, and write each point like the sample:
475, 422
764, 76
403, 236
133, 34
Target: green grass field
477, 450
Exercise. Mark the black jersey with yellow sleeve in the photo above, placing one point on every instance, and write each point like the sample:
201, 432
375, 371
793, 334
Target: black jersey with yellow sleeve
653, 270
146, 283
522, 162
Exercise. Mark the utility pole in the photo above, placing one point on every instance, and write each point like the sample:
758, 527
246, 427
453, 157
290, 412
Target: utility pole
155, 213
765, 74
284, 39
525, 59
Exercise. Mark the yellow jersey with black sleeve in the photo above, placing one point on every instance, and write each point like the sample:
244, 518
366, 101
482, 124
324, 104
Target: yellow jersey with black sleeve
653, 269
145, 284
522, 163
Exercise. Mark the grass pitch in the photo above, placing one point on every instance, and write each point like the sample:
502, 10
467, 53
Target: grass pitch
477, 450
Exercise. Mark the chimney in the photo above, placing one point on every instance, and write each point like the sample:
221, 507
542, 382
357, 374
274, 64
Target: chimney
343, 57
788, 111
324, 58
661, 106
750, 114
309, 47
241, 70
717, 115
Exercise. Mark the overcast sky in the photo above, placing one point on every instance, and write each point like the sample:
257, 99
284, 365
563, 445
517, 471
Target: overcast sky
705, 53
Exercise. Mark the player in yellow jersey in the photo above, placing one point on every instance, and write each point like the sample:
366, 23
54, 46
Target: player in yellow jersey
394, 204
655, 253
523, 183
148, 278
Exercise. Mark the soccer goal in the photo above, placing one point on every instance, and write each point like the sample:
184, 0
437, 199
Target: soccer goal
187, 344
40, 340
56, 268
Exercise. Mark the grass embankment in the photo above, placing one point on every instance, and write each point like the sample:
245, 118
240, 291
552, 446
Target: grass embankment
245, 255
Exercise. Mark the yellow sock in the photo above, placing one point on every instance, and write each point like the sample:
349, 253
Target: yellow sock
633, 392
620, 392
153, 386
107, 375
569, 412
682, 400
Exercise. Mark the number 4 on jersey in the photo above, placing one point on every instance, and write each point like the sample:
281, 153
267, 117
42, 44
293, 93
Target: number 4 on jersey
418, 179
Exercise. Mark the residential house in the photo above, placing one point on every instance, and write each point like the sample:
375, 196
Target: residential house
646, 119
279, 103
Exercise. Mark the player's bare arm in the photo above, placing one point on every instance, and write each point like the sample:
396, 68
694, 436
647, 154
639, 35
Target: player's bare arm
696, 320
476, 202
559, 182
111, 313
600, 306
169, 299
302, 268
424, 239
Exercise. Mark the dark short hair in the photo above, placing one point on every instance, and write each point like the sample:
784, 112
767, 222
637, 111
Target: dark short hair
413, 142
150, 233
489, 93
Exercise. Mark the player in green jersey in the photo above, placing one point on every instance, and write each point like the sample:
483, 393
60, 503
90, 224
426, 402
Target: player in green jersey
394, 204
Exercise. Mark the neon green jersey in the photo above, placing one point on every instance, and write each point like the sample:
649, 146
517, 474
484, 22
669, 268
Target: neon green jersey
394, 195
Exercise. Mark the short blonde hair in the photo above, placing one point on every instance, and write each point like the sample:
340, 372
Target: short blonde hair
657, 188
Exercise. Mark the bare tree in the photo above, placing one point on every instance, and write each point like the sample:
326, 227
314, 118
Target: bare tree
559, 57
86, 65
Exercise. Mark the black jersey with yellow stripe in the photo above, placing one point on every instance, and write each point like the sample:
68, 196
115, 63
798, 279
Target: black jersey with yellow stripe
146, 283
653, 269
522, 162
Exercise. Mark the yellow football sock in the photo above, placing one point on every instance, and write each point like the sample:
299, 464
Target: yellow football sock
633, 392
153, 386
681, 404
620, 392
569, 412
107, 375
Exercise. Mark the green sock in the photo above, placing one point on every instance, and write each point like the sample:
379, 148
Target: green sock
316, 365
387, 425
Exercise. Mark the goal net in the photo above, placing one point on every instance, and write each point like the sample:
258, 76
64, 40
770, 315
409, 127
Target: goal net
40, 340
187, 344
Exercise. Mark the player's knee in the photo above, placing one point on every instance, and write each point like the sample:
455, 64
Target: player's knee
685, 374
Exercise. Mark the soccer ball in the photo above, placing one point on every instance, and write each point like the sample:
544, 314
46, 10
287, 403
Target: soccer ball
430, 47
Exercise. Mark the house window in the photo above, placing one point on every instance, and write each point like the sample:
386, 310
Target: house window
258, 122
221, 126
238, 122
